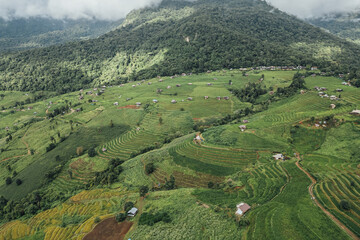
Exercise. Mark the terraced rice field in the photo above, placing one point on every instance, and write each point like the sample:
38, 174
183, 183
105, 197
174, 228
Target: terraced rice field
344, 185
211, 160
88, 204
149, 132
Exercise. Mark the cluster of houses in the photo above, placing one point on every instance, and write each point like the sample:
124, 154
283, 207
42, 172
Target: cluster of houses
322, 94
321, 124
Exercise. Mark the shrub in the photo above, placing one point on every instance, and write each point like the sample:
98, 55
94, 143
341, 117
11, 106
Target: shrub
149, 168
8, 181
79, 151
143, 191
128, 206
210, 184
120, 217
18, 181
151, 219
345, 205
92, 152
97, 220
50, 147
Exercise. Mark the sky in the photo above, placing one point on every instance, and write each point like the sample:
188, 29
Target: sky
116, 9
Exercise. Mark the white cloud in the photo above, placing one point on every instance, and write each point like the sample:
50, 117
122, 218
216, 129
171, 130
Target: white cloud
311, 8
73, 9
116, 9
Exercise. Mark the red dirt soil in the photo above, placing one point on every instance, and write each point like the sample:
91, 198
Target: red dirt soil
109, 229
129, 107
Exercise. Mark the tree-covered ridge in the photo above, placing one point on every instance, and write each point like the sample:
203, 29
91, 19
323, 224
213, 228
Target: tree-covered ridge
179, 37
21, 34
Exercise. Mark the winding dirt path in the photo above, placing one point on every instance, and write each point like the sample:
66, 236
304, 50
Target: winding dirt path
340, 224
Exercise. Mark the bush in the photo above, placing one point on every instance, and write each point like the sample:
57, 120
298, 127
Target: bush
120, 217
345, 205
143, 191
210, 184
128, 206
79, 151
149, 168
50, 147
150, 219
92, 152
97, 220
18, 181
8, 181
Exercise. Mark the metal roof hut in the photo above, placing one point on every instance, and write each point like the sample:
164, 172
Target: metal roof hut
242, 208
132, 212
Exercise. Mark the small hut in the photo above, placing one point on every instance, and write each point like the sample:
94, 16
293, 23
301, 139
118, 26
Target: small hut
242, 128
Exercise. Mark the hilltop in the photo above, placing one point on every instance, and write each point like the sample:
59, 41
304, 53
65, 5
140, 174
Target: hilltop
176, 37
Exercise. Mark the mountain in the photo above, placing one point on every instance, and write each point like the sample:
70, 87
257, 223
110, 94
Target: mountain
176, 37
21, 34
344, 25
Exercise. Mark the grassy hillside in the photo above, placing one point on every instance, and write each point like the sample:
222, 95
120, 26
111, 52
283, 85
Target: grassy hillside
194, 186
199, 36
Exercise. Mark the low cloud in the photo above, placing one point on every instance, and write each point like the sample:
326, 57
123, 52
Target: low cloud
71, 9
314, 8
116, 9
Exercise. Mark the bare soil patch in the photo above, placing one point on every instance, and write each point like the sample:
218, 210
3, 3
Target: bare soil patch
129, 107
109, 229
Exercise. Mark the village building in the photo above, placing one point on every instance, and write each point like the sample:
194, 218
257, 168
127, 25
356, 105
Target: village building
190, 84
242, 128
132, 212
245, 121
149, 83
333, 97
218, 98
333, 106
242, 208
355, 112
339, 90
190, 98
226, 98
155, 101
116, 103
138, 104
206, 97
161, 80
78, 110
314, 68
168, 87
173, 101
278, 156
302, 92
133, 86
104, 149
178, 85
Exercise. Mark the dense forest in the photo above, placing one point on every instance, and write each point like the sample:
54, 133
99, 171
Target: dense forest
176, 37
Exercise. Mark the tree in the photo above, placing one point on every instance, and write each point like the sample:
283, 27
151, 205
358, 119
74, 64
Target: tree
111, 123
210, 184
128, 206
345, 205
92, 152
160, 120
8, 181
143, 191
70, 173
120, 217
18, 181
149, 168
97, 219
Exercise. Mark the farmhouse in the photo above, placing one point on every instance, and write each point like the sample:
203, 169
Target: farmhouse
178, 85
132, 212
242, 128
190, 98
242, 208
333, 106
138, 104
333, 97
355, 112
206, 97
155, 101
116, 103
226, 98
279, 157
173, 101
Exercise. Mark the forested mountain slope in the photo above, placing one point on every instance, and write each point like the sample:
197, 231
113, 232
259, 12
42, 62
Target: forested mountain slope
176, 37
21, 34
